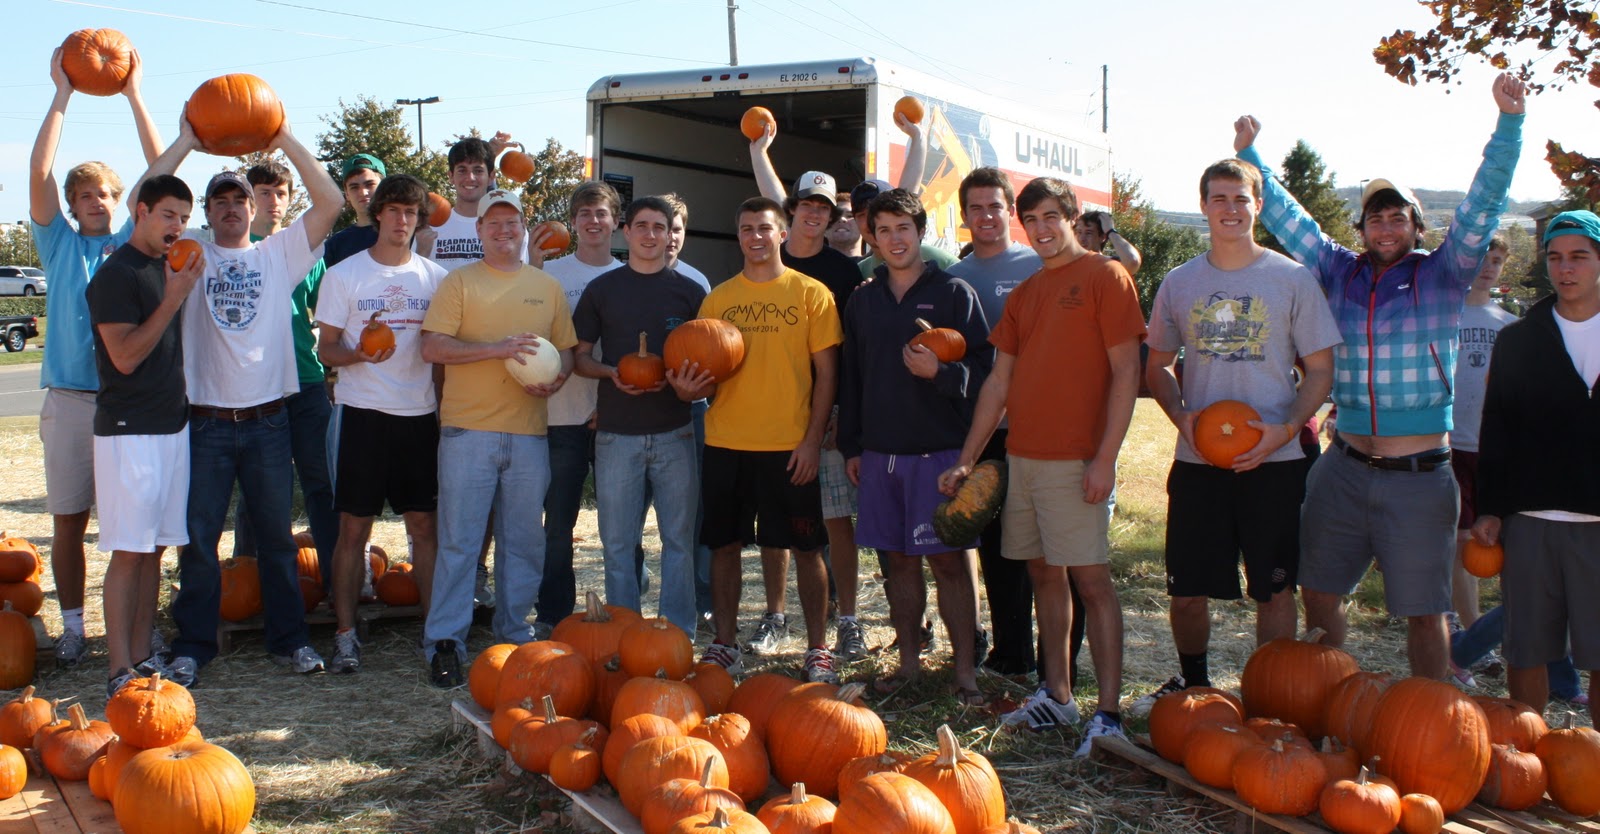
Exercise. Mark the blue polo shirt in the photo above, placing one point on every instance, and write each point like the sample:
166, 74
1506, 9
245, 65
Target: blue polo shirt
70, 260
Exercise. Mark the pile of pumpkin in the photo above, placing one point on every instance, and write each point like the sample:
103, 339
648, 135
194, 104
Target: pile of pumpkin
1393, 753
391, 584
147, 759
687, 750
20, 598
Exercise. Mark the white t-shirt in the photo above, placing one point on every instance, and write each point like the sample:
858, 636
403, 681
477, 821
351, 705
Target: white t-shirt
574, 404
352, 291
238, 347
457, 244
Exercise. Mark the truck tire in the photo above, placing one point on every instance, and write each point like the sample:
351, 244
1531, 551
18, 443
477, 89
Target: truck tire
16, 340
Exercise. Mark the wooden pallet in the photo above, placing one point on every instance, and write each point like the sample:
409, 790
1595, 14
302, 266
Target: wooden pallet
599, 802
1474, 819
323, 615
42, 639
50, 806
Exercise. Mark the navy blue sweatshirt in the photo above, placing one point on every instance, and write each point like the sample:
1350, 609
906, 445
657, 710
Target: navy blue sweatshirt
882, 405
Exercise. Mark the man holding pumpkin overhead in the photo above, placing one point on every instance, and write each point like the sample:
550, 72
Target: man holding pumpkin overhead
240, 364
493, 454
1240, 314
644, 451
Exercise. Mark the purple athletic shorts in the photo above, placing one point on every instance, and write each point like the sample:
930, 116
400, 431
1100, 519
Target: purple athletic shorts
898, 494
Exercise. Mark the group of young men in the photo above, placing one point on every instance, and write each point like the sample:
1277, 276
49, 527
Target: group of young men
835, 433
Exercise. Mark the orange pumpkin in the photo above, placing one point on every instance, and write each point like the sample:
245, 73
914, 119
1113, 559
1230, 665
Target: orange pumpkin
97, 61
99, 781
376, 337
18, 648
534, 742
13, 771
1482, 561
1512, 722
720, 821
1222, 432
150, 712
753, 124
1292, 679
964, 782
1281, 779
1358, 806
661, 696
1212, 750
1273, 729
517, 166
677, 799
25, 596
397, 586
889, 761
797, 812
1515, 781
608, 682
484, 676
1571, 757
1420, 814
304, 538
241, 588
714, 686
576, 767
946, 343
557, 240
629, 733
1011, 827
1175, 716
507, 717
543, 668
596, 630
715, 345
21, 717
756, 696
191, 786
19, 559
749, 769
1341, 762
911, 108
235, 115
655, 644
438, 210
1430, 738
183, 253
814, 731
656, 760
892, 803
1350, 706
643, 369
67, 751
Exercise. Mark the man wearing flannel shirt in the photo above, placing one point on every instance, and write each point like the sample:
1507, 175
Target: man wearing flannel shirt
1387, 492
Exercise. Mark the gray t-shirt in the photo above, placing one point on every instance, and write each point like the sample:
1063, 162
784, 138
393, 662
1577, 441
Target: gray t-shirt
993, 278
1240, 331
1480, 324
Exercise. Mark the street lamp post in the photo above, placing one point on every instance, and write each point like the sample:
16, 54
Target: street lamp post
419, 102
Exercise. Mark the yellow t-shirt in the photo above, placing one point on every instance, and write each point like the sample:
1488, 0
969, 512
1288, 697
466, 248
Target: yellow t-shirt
478, 303
765, 405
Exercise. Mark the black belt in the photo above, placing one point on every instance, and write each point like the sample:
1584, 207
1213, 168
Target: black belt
237, 415
1422, 462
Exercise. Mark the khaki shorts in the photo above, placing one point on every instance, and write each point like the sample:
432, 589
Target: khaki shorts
66, 426
1045, 515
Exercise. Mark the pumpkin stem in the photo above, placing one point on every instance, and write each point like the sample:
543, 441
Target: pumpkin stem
587, 739
373, 321
950, 752
26, 696
1314, 635
7, 606
850, 692
1566, 725
1327, 745
705, 772
155, 681
596, 612
923, 323
661, 672
1361, 778
1277, 745
643, 352
550, 716
720, 819
80, 721
797, 793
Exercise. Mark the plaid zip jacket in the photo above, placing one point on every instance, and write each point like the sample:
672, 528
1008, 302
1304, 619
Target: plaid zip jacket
1393, 373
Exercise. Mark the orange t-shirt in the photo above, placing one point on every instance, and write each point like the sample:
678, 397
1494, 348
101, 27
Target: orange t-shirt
1058, 325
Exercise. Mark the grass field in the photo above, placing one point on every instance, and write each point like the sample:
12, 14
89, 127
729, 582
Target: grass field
373, 752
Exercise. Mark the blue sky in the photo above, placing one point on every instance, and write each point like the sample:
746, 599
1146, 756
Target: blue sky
1180, 73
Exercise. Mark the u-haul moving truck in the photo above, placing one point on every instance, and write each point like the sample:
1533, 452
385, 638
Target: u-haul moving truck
678, 131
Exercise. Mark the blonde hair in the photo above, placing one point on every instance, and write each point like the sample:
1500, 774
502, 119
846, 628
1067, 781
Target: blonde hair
90, 173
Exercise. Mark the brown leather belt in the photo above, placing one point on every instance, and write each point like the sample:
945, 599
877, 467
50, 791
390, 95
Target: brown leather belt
1421, 462
237, 415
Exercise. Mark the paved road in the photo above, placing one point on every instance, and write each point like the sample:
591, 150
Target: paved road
20, 395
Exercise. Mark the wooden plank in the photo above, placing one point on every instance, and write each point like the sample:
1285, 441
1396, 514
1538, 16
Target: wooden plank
1541, 819
366, 614
41, 637
45, 808
93, 815
1548, 811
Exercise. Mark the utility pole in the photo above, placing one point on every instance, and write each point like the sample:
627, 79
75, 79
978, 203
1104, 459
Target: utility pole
733, 37
418, 102
1105, 106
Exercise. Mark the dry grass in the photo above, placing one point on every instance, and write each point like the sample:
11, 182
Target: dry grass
373, 752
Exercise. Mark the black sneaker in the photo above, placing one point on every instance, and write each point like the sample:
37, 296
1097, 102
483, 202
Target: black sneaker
445, 668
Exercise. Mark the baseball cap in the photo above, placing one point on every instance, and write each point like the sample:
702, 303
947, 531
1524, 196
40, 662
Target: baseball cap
863, 194
1380, 184
227, 178
362, 162
816, 184
499, 197
1585, 223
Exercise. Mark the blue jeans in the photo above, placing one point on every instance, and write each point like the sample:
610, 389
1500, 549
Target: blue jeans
624, 464
1471, 645
702, 554
480, 471
256, 455
308, 439
571, 451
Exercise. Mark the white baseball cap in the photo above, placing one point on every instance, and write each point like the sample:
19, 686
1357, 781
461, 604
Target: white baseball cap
816, 184
1380, 184
499, 197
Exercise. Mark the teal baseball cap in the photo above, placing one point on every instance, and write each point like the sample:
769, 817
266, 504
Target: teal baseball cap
362, 162
1584, 223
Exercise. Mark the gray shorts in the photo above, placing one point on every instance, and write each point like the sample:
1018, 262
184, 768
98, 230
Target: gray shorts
66, 427
1550, 584
1354, 514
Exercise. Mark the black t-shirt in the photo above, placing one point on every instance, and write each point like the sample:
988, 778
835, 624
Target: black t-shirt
613, 310
836, 270
127, 289
348, 241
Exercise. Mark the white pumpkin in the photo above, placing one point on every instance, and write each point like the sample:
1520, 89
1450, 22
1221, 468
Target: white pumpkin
542, 368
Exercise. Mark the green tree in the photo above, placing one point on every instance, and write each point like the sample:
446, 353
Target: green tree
369, 127
16, 246
557, 172
1305, 176
298, 203
1162, 245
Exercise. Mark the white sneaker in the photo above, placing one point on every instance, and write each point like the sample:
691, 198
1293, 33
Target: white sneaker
769, 632
1099, 726
305, 660
71, 647
724, 655
1043, 712
346, 652
819, 667
1142, 706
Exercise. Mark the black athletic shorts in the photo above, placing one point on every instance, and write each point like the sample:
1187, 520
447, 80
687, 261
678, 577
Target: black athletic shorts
749, 499
382, 457
1214, 514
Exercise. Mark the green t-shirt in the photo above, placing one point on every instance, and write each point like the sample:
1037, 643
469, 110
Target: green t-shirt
938, 257
301, 302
